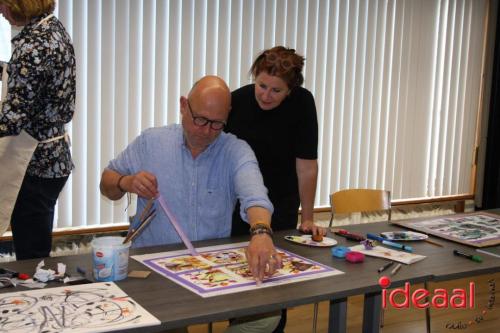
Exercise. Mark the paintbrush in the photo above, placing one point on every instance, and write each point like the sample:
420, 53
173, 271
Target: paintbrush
144, 214
133, 231
433, 242
139, 229
146, 209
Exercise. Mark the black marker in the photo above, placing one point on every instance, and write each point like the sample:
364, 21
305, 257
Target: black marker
383, 268
468, 256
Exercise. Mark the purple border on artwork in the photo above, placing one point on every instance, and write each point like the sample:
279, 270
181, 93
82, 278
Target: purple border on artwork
176, 276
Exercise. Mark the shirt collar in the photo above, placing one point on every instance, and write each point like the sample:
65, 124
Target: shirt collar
207, 150
28, 28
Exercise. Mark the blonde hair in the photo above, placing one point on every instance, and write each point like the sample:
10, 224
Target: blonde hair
25, 10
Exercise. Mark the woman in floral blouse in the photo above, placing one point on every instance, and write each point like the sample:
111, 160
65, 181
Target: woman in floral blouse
40, 101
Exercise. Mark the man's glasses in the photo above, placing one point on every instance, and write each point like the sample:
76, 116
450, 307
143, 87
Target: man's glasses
202, 121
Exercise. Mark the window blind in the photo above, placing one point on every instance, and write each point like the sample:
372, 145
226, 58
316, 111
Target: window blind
396, 85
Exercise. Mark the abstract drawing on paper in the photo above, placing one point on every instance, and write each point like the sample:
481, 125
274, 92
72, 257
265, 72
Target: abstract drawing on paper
223, 269
95, 307
475, 229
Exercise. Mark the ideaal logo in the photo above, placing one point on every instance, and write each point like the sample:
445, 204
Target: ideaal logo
460, 298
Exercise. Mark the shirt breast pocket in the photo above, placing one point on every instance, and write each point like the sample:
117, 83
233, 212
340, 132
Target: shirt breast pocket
214, 203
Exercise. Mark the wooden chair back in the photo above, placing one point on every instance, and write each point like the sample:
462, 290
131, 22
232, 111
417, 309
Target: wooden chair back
360, 201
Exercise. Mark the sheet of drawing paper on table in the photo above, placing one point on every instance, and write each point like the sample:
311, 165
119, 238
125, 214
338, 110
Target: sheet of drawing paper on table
386, 253
95, 307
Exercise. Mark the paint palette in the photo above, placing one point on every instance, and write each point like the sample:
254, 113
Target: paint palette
404, 235
306, 240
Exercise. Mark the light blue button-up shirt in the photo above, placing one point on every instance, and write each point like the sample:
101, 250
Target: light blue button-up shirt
200, 192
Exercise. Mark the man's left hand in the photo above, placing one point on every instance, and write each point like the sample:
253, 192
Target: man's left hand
262, 257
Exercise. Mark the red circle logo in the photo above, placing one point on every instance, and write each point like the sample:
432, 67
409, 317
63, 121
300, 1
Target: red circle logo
384, 282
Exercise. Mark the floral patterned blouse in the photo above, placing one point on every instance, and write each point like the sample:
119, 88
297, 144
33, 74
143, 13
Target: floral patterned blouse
41, 93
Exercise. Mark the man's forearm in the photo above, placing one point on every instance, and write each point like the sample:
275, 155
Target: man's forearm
112, 184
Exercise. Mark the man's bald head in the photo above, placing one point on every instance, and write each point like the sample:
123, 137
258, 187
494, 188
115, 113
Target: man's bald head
211, 90
208, 103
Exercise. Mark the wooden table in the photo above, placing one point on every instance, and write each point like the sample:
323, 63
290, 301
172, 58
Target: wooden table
176, 307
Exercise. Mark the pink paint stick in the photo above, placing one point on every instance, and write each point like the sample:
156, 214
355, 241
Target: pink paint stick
177, 227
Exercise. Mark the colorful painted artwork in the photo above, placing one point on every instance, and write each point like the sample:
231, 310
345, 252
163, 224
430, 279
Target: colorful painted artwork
223, 269
403, 236
95, 307
475, 229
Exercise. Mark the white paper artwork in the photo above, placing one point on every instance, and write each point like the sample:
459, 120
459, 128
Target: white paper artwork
95, 307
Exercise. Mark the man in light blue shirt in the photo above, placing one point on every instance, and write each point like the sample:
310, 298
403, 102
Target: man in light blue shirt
200, 172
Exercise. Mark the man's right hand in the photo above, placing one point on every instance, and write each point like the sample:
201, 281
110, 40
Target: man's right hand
114, 185
143, 183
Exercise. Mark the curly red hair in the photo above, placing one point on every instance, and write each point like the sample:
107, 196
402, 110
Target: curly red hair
281, 62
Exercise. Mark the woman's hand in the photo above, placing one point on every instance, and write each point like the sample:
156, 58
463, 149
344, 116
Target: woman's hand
309, 227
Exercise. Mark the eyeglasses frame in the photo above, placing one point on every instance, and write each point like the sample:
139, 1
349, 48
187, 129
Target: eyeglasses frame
204, 120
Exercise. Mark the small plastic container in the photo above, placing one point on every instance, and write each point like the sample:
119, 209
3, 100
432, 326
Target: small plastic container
110, 258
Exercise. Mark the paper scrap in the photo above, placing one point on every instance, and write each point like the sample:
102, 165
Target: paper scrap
139, 274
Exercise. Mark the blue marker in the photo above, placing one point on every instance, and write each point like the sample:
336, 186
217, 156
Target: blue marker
384, 241
81, 271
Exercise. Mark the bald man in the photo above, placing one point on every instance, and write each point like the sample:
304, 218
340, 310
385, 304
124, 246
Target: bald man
201, 172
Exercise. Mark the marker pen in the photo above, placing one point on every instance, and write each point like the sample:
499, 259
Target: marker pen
472, 257
384, 241
383, 268
349, 235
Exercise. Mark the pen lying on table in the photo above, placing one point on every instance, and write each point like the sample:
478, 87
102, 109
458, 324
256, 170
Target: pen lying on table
349, 235
384, 241
472, 257
396, 269
383, 268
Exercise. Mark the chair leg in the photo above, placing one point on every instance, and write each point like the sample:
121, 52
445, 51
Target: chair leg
210, 327
315, 318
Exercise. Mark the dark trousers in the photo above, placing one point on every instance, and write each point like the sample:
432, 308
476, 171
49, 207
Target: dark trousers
281, 325
33, 216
